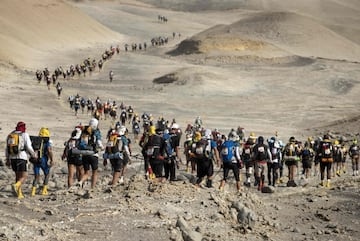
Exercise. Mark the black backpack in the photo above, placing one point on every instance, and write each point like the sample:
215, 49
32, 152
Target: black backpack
260, 152
38, 144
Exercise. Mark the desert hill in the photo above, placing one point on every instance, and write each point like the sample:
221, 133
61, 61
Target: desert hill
30, 30
272, 72
287, 33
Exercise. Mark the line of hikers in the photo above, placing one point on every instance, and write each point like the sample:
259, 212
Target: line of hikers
161, 149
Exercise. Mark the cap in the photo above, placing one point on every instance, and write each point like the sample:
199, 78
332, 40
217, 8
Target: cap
21, 126
93, 123
44, 132
175, 126
121, 130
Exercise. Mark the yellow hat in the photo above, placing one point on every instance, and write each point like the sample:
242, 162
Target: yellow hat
152, 130
44, 132
336, 142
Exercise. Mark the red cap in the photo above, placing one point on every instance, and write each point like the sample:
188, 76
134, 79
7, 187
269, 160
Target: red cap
21, 126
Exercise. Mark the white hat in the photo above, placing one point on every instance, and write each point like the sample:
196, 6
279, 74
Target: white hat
93, 123
121, 130
175, 126
208, 133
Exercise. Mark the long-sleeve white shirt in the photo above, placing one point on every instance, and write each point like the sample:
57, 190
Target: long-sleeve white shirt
24, 149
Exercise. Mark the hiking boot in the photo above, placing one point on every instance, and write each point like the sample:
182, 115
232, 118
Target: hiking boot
16, 187
291, 183
338, 173
44, 190
328, 185
80, 184
33, 191
20, 194
322, 183
209, 184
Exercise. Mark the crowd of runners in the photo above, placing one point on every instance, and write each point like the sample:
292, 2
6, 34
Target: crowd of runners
167, 150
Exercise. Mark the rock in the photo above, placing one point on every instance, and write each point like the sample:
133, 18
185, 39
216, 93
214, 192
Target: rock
187, 233
190, 177
268, 189
64, 170
245, 216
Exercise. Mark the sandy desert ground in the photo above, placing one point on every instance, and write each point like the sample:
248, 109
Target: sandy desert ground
285, 66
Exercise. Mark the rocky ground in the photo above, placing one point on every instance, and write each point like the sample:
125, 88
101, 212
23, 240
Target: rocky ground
142, 210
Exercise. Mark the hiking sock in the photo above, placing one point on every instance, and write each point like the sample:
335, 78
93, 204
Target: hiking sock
121, 180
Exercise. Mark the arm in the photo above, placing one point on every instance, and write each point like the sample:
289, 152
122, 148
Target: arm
217, 156
28, 145
50, 154
269, 154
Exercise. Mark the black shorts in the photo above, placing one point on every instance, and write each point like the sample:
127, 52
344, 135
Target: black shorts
74, 160
306, 163
18, 165
291, 163
249, 163
234, 167
157, 167
117, 164
90, 161
204, 168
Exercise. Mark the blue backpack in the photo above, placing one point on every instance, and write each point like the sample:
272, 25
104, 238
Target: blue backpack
227, 151
168, 147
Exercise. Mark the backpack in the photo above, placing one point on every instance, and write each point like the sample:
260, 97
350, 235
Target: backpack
306, 154
261, 153
354, 150
246, 153
153, 146
38, 143
274, 152
202, 149
87, 139
15, 143
112, 144
290, 150
168, 145
227, 151
326, 150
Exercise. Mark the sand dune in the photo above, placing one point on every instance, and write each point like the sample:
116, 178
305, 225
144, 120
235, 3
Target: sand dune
33, 28
275, 32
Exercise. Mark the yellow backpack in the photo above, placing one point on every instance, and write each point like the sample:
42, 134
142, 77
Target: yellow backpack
15, 143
